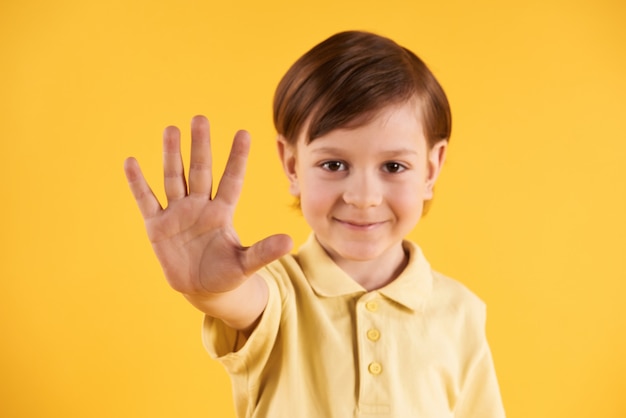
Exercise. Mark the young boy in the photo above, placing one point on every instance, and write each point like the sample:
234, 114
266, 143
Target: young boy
356, 324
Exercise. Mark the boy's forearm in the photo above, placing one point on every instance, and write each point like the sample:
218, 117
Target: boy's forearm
239, 308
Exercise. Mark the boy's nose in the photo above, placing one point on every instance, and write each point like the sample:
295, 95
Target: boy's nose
363, 190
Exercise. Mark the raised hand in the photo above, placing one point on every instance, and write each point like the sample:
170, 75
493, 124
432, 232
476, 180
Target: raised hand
193, 237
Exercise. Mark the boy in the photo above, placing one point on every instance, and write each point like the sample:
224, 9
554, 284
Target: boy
355, 324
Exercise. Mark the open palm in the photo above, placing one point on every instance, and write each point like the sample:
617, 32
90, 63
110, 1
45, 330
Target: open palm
193, 237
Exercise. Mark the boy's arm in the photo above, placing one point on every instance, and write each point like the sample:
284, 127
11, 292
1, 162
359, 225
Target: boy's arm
239, 308
193, 237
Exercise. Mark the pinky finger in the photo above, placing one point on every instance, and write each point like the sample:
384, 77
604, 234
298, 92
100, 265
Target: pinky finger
146, 200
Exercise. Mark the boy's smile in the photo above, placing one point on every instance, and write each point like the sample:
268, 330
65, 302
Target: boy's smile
362, 189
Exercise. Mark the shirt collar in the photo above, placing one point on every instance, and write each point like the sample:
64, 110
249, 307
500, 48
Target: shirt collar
410, 289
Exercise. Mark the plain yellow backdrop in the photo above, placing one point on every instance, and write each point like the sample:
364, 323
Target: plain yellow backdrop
529, 211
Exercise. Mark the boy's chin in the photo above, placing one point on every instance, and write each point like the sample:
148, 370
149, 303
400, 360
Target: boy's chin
360, 251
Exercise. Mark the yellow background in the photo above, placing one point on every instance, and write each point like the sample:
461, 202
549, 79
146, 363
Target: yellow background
529, 211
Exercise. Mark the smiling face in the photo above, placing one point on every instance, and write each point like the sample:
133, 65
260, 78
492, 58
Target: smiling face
362, 189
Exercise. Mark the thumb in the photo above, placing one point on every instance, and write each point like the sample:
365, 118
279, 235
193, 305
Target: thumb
266, 251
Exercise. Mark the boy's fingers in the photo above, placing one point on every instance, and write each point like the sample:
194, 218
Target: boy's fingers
145, 198
173, 171
200, 179
232, 179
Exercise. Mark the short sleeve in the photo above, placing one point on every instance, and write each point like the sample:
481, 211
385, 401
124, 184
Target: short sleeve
220, 340
480, 394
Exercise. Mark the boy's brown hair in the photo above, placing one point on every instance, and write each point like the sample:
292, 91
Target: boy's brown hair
343, 81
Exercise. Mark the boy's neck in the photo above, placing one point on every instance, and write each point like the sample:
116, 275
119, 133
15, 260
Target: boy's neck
375, 274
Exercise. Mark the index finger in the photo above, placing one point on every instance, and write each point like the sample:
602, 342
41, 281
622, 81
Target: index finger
232, 179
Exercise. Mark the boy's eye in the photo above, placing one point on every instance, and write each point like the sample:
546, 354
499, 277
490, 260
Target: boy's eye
334, 166
394, 167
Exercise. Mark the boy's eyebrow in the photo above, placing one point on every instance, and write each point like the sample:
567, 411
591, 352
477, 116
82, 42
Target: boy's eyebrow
400, 151
387, 153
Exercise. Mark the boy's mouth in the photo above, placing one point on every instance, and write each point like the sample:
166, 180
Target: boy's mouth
358, 224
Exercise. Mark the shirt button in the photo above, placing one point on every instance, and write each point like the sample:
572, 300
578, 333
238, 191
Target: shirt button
373, 334
371, 306
375, 368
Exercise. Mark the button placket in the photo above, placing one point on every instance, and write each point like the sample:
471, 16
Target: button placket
373, 385
372, 334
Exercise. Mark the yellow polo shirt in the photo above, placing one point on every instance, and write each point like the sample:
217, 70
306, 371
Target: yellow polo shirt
325, 347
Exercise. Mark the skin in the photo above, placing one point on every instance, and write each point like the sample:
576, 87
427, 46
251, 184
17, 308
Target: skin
359, 204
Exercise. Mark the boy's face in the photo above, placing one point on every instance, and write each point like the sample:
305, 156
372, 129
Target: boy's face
362, 190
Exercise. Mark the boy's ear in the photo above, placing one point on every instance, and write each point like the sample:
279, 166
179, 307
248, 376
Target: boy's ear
436, 158
287, 154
